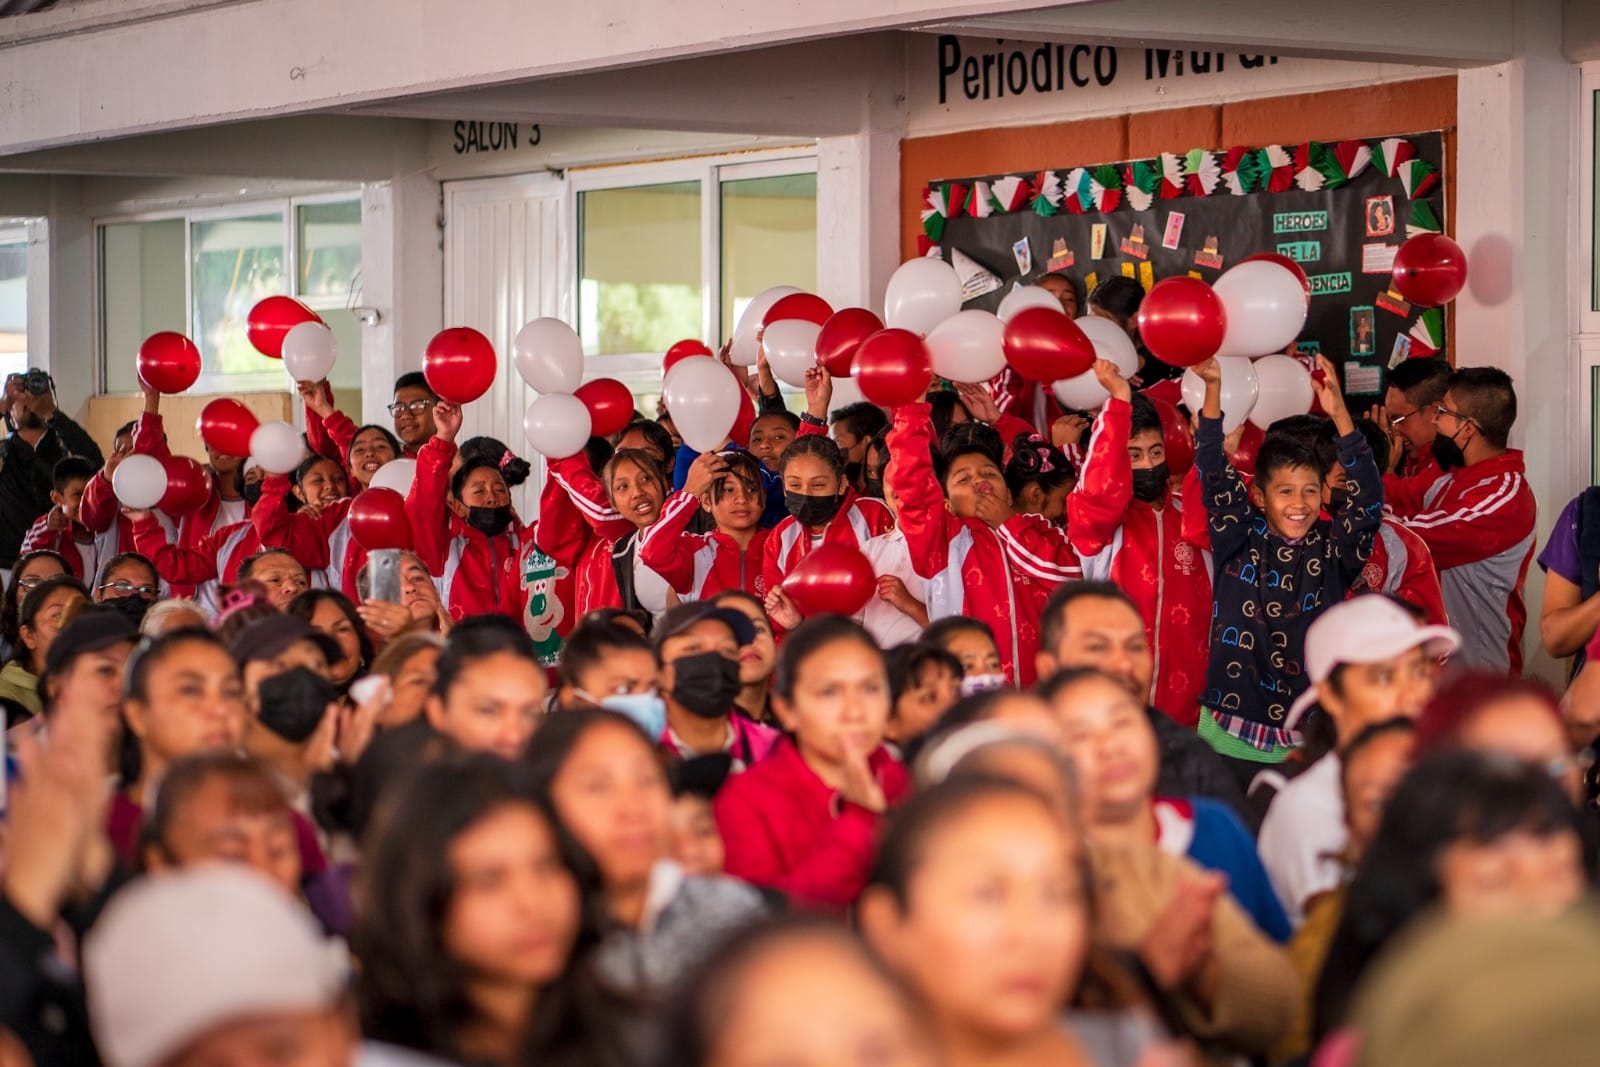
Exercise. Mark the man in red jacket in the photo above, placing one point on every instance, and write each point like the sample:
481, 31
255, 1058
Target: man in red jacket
1477, 517
1415, 388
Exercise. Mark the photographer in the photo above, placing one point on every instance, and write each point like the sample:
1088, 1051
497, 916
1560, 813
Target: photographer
38, 434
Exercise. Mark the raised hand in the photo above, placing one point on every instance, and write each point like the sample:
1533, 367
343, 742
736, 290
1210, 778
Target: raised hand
1109, 375
1325, 383
979, 404
315, 395
781, 610
447, 420
704, 473
819, 392
1209, 372
1068, 430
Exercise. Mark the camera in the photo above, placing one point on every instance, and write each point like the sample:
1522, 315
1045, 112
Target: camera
35, 381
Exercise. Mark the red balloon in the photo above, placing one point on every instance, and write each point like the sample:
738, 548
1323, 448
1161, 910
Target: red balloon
1182, 321
831, 578
168, 362
841, 336
1430, 270
893, 368
610, 405
1043, 345
1175, 435
1244, 458
187, 486
378, 520
683, 350
1286, 263
799, 306
459, 364
225, 426
740, 434
273, 317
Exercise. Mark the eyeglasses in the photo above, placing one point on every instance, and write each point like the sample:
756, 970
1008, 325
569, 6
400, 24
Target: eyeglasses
127, 588
1440, 409
1396, 420
416, 407
29, 583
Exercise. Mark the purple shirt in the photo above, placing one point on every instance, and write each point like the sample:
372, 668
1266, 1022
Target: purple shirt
1560, 555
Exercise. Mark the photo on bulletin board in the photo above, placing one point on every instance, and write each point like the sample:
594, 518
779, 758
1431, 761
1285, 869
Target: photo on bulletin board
1339, 210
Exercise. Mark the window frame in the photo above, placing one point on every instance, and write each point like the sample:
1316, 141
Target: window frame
18, 234
1586, 269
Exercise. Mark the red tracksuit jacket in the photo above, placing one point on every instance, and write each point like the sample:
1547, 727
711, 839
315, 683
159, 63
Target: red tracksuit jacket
323, 545
579, 529
331, 437
1402, 565
1142, 549
860, 518
999, 576
784, 828
1478, 521
216, 556
478, 575
699, 566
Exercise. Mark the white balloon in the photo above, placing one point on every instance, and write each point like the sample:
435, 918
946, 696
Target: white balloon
557, 425
549, 356
140, 481
309, 351
704, 401
967, 347
922, 293
791, 347
1284, 389
397, 474
276, 447
1027, 296
1085, 393
1239, 389
1266, 307
743, 352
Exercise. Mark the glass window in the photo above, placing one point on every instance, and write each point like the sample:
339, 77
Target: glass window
13, 304
235, 262
328, 248
769, 237
639, 265
142, 291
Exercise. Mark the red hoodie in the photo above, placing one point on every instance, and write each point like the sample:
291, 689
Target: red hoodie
1000, 576
214, 556
582, 533
858, 520
478, 574
699, 566
784, 828
1142, 549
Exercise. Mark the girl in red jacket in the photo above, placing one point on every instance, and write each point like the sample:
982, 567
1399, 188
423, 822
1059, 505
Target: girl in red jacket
980, 557
699, 566
803, 820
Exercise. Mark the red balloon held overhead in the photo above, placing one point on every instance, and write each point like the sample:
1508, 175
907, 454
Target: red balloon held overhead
1043, 345
1286, 263
610, 405
187, 486
168, 362
378, 520
273, 318
1176, 436
1182, 321
831, 578
806, 306
1430, 270
226, 427
841, 337
459, 364
683, 350
742, 423
893, 368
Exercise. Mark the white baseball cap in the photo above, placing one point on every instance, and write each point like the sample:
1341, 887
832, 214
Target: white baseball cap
176, 955
1368, 629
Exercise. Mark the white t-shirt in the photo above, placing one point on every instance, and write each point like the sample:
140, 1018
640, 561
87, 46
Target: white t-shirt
888, 625
1303, 835
229, 512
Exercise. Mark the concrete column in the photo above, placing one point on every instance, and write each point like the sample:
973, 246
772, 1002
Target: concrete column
402, 278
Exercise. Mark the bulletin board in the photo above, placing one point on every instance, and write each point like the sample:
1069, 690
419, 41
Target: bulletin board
1339, 209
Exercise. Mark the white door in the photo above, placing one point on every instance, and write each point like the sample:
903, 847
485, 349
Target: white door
505, 264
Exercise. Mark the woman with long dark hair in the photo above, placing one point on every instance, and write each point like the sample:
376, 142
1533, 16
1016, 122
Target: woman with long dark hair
332, 614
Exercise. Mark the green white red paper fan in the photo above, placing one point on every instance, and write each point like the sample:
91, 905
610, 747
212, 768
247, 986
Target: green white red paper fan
1202, 172
934, 212
1140, 181
1277, 168
977, 203
1391, 152
1241, 171
1317, 167
1354, 157
1046, 193
1076, 195
1307, 178
1427, 334
1423, 219
1171, 176
1419, 177
1106, 188
1009, 194
955, 199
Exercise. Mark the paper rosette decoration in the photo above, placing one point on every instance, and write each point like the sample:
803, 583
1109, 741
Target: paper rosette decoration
1105, 187
943, 202
1077, 198
1423, 219
1241, 171
1419, 177
1046, 193
1009, 194
1316, 167
1354, 157
1427, 336
1392, 152
977, 202
1171, 176
1276, 167
1201, 172
1141, 180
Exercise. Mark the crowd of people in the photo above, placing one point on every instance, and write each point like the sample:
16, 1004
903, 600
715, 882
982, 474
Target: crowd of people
1154, 745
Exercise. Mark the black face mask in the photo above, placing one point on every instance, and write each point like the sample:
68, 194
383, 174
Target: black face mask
250, 491
1150, 484
1447, 453
811, 510
853, 472
131, 607
491, 522
873, 487
705, 684
293, 703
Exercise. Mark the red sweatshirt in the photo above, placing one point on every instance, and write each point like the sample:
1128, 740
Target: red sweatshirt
479, 575
214, 556
1402, 564
331, 437
1141, 548
1001, 576
699, 566
582, 534
858, 520
784, 828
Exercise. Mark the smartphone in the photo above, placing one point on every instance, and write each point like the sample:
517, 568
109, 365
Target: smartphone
383, 575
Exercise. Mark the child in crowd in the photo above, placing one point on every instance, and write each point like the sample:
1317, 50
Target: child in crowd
924, 683
728, 486
61, 529
972, 643
1040, 476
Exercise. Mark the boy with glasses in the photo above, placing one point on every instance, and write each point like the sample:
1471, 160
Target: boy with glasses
413, 411
1415, 387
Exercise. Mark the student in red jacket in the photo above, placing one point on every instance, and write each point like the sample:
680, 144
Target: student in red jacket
1126, 521
214, 557
803, 821
980, 557
698, 566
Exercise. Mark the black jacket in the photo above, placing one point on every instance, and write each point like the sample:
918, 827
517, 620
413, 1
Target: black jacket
25, 477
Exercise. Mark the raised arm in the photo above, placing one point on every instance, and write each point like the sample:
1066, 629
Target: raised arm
1098, 504
923, 517
178, 565
427, 504
1227, 501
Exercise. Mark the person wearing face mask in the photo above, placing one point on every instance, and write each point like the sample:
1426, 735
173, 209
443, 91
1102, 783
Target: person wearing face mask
1126, 520
698, 645
614, 667
1477, 517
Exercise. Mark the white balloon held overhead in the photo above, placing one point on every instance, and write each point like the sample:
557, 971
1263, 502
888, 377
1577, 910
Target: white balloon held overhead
309, 352
140, 481
549, 356
277, 447
1266, 308
922, 293
1284, 389
968, 347
703, 398
1239, 388
745, 348
557, 425
1027, 296
397, 474
791, 347
1111, 342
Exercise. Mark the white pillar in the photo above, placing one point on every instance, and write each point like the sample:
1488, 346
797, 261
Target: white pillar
402, 279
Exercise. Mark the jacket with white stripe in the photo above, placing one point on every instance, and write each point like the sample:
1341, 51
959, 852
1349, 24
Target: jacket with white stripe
699, 566
1000, 575
478, 574
591, 539
859, 519
1478, 521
